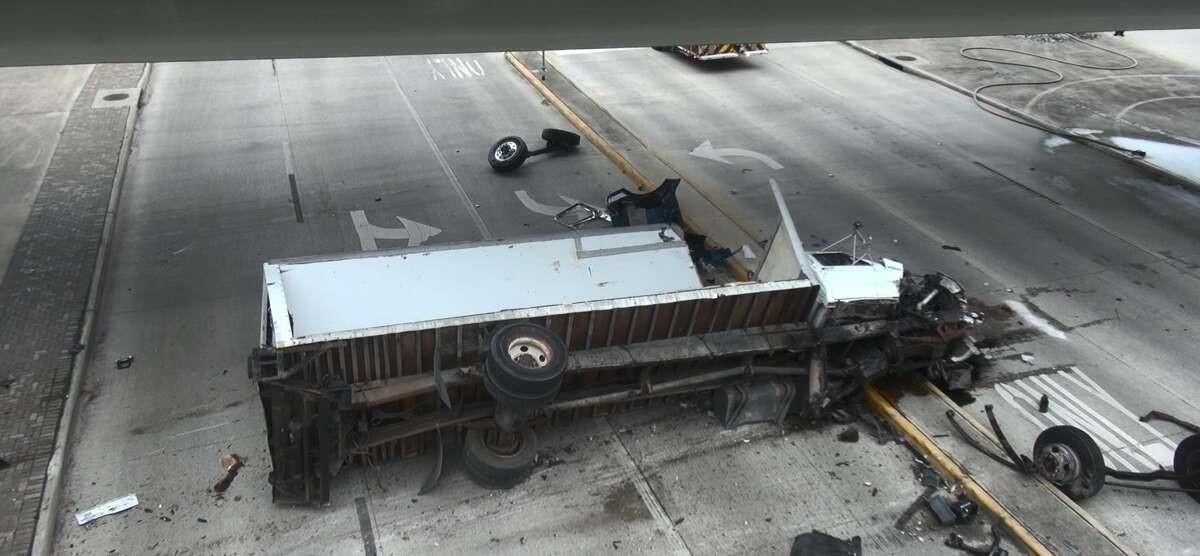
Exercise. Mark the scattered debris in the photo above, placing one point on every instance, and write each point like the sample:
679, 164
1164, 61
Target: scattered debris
1027, 358
125, 362
992, 549
848, 435
1160, 416
952, 248
940, 504
231, 463
817, 543
1044, 404
114, 506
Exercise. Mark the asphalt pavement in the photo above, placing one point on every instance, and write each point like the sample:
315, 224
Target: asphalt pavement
1087, 265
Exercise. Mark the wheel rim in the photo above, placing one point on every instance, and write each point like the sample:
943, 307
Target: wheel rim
1059, 463
503, 443
506, 151
528, 352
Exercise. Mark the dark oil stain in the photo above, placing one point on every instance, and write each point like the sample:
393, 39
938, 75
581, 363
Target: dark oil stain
623, 502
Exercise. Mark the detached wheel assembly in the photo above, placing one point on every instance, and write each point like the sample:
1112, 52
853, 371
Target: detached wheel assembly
497, 459
1071, 460
510, 152
1187, 465
525, 365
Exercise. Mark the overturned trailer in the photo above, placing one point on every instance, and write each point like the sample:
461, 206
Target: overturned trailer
465, 348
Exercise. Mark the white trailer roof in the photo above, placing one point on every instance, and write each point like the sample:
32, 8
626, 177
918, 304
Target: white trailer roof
320, 299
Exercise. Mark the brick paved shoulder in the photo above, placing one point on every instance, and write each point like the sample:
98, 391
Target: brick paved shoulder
44, 293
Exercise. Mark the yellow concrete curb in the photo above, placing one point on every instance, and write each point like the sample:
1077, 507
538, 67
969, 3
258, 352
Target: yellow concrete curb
604, 147
987, 433
884, 407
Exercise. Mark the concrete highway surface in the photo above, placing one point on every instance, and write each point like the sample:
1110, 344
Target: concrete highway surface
1086, 266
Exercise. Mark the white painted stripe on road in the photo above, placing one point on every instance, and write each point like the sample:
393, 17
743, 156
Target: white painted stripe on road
1060, 414
1111, 438
1161, 449
1026, 314
534, 206
1132, 446
437, 153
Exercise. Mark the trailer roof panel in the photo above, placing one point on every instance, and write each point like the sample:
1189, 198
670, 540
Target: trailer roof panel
332, 298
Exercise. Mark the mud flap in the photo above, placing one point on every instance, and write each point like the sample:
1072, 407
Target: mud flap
307, 435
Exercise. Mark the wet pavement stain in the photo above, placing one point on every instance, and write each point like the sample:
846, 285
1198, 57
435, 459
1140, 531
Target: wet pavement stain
625, 503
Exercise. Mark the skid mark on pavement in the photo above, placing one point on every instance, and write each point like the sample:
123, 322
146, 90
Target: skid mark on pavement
1076, 400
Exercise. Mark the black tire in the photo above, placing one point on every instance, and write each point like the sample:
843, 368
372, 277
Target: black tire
1187, 462
492, 467
525, 365
560, 138
507, 154
1077, 457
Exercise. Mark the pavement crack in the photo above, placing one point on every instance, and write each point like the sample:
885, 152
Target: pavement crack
651, 498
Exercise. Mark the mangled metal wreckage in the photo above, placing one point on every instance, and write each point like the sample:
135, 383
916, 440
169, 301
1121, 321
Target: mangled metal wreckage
470, 347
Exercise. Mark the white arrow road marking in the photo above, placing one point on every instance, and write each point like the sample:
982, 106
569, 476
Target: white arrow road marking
548, 210
706, 150
415, 232
1066, 408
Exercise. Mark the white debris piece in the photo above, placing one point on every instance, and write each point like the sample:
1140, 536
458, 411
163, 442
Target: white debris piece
1027, 358
748, 253
108, 508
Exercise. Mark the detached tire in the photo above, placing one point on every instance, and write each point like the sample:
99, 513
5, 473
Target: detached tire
1187, 462
525, 366
508, 154
560, 138
498, 461
1071, 460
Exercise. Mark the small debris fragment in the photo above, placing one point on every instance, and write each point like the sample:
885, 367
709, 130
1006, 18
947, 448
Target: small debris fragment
231, 463
1044, 404
616, 545
114, 506
874, 492
4, 461
75, 349
952, 248
680, 520
848, 435
816, 542
125, 362
1027, 358
522, 540
6, 383
201, 520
